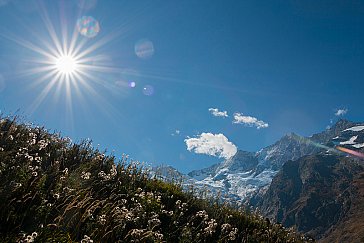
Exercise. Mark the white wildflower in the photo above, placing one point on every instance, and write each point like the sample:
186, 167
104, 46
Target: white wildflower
158, 236
65, 171
123, 201
104, 176
202, 214
42, 144
154, 222
17, 185
67, 189
136, 233
225, 228
86, 239
113, 171
232, 234
85, 175
211, 226
102, 219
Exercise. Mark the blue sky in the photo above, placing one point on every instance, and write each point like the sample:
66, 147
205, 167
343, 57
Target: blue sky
291, 65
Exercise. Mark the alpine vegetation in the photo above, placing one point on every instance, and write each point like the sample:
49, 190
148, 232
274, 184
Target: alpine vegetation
53, 190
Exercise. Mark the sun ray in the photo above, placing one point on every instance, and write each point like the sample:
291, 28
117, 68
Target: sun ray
64, 24
95, 46
34, 106
50, 29
74, 41
28, 45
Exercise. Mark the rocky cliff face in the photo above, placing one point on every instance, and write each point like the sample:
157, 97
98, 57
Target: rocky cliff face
318, 194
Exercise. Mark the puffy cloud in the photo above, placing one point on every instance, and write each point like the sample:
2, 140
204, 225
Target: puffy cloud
341, 112
211, 144
239, 118
216, 112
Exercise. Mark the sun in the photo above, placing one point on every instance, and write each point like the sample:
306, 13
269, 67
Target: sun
66, 64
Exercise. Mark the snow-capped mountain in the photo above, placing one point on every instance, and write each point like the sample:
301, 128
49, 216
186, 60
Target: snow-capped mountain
247, 174
235, 178
352, 137
289, 147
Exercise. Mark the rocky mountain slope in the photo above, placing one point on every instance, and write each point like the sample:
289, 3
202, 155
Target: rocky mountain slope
322, 195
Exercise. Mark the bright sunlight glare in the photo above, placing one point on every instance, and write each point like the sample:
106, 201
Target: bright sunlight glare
66, 64
71, 65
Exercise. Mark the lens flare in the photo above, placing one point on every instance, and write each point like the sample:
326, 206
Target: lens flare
144, 49
132, 84
88, 26
148, 90
349, 151
337, 149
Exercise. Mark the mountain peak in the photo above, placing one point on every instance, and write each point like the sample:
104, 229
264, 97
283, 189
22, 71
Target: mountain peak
339, 126
290, 135
343, 123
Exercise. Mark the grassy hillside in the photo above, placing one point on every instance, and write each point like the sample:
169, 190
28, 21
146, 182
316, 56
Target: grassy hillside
54, 191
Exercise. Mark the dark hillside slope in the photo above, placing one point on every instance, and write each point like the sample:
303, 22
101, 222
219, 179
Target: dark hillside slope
54, 191
322, 195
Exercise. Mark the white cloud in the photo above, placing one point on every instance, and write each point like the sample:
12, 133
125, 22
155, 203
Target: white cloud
176, 133
211, 144
239, 118
341, 112
216, 112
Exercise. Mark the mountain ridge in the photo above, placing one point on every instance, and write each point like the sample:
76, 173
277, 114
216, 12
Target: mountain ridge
255, 170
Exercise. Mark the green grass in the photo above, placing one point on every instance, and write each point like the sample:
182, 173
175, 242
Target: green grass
52, 190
